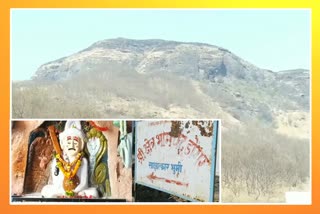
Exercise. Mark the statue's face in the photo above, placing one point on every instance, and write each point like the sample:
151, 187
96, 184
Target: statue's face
73, 145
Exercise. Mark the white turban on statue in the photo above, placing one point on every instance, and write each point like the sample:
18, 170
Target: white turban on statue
72, 128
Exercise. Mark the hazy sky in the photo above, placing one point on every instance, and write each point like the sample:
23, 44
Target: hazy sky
271, 39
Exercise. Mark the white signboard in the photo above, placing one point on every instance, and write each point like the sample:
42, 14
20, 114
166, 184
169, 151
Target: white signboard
177, 157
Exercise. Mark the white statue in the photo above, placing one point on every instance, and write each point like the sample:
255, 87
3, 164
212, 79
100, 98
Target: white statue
72, 177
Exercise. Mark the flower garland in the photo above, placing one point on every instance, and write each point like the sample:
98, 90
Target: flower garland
69, 170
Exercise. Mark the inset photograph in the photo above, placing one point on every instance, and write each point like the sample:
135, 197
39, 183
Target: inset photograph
66, 161
114, 161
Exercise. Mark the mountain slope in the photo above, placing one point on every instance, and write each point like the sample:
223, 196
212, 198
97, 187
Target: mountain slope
174, 79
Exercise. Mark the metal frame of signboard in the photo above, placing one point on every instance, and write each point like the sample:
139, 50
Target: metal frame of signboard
215, 139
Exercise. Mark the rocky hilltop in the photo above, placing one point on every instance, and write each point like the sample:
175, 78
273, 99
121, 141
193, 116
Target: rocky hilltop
196, 60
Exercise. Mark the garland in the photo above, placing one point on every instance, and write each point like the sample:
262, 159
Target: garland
69, 170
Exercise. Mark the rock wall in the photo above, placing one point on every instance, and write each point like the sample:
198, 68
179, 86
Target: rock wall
19, 149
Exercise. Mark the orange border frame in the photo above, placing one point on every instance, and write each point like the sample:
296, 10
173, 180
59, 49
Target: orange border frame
6, 5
